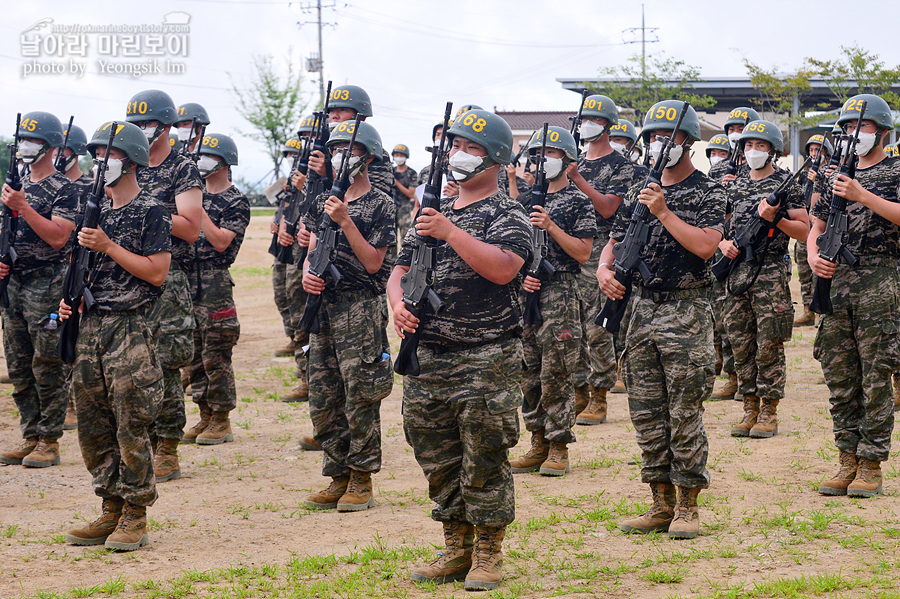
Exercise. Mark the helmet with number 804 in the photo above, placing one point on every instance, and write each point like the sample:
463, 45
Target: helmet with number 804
128, 139
191, 110
151, 105
718, 142
216, 144
353, 97
487, 130
662, 116
600, 106
43, 126
400, 149
77, 141
821, 140
739, 116
766, 131
557, 137
367, 137
877, 111
623, 128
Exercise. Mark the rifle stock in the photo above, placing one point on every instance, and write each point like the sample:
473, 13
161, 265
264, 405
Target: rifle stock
540, 267
9, 220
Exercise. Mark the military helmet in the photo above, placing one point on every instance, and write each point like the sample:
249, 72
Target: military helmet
466, 108
77, 141
308, 124
291, 146
43, 126
151, 105
766, 131
739, 116
718, 142
435, 129
891, 150
191, 110
216, 144
557, 137
822, 141
173, 140
600, 106
351, 96
367, 137
401, 149
663, 116
623, 129
488, 130
877, 111
128, 139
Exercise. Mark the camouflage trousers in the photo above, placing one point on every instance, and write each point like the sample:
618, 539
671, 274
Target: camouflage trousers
116, 380
857, 347
758, 322
404, 219
807, 280
216, 334
669, 370
348, 378
39, 377
296, 298
460, 417
279, 289
172, 322
552, 351
597, 366
717, 296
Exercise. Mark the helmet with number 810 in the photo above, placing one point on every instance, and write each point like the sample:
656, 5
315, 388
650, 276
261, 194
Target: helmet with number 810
487, 130
353, 97
766, 131
128, 139
216, 144
151, 105
662, 116
557, 137
43, 126
877, 111
367, 137
739, 116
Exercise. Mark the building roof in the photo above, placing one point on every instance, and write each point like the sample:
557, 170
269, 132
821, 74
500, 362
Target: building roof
531, 120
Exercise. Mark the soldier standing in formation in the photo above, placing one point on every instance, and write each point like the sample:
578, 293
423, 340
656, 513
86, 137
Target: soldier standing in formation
405, 183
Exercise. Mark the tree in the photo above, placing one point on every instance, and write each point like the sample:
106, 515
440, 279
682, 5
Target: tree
273, 105
639, 83
864, 69
777, 91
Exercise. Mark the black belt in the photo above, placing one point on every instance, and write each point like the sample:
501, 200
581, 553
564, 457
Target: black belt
446, 348
659, 296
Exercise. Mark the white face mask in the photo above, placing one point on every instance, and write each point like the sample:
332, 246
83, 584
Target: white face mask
620, 148
553, 167
399, 160
591, 131
184, 133
733, 138
355, 163
756, 159
113, 172
465, 166
635, 156
30, 152
714, 160
865, 143
207, 165
152, 132
674, 154
332, 125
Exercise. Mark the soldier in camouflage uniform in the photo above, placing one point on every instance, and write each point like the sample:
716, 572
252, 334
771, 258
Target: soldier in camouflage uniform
669, 359
553, 345
173, 180
226, 214
857, 343
459, 412
192, 118
45, 218
349, 366
279, 270
405, 183
604, 175
758, 311
117, 377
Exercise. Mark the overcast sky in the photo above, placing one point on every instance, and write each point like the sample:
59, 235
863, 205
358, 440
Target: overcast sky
413, 56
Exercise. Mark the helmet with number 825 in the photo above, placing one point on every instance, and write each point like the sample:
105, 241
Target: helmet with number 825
487, 130
557, 137
766, 131
662, 116
821, 140
128, 139
216, 144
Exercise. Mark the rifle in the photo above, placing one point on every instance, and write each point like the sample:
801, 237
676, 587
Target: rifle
646, 150
576, 124
737, 155
418, 284
77, 283
60, 164
290, 212
195, 155
9, 220
186, 145
321, 259
756, 231
627, 252
833, 242
539, 263
281, 197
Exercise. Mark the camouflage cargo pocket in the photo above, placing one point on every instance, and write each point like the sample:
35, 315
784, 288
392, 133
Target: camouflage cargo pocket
506, 359
783, 325
376, 378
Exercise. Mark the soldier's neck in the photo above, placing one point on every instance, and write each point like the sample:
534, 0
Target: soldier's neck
159, 151
43, 168
598, 148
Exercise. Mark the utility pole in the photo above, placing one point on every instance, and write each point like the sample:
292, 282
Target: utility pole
315, 62
643, 28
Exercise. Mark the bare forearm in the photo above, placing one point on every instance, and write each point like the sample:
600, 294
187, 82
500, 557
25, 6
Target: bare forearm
371, 257
219, 237
153, 268
882, 207
394, 291
55, 232
796, 226
186, 224
492, 263
577, 248
700, 242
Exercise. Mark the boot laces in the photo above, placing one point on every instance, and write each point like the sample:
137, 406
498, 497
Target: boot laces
484, 550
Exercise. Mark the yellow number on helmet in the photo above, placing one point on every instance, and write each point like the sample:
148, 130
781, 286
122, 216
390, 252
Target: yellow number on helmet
554, 136
469, 119
345, 95
671, 113
213, 142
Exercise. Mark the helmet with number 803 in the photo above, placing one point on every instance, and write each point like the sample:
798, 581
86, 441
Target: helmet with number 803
400, 149
128, 139
662, 116
877, 111
191, 110
623, 129
151, 105
353, 97
600, 106
821, 140
739, 116
766, 131
216, 144
487, 130
367, 137
718, 142
77, 141
43, 126
557, 137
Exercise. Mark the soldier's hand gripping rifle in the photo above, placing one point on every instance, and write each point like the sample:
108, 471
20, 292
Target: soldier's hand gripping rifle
321, 259
833, 242
60, 162
540, 267
290, 212
627, 252
754, 233
576, 124
76, 284
735, 161
281, 197
418, 284
9, 220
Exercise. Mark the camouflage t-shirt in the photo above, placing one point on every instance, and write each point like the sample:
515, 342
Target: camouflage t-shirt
868, 233
54, 195
143, 227
227, 210
409, 179
381, 175
374, 216
640, 174
503, 183
574, 213
744, 196
717, 172
175, 175
475, 309
611, 174
699, 202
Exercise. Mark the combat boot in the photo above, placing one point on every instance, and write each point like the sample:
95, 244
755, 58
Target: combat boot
686, 523
358, 496
487, 560
595, 413
71, 421
309, 443
619, 387
582, 398
45, 453
327, 499
454, 562
895, 379
660, 514
804, 317
15, 456
287, 350
839, 483
205, 413
767, 422
557, 462
5, 380
165, 465
218, 431
299, 393
131, 532
97, 531
868, 479
534, 457
727, 390
751, 413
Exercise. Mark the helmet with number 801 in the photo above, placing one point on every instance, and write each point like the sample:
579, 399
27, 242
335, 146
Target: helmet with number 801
128, 139
367, 137
151, 105
662, 116
739, 116
600, 106
718, 142
216, 144
353, 97
43, 126
766, 131
487, 130
877, 111
557, 137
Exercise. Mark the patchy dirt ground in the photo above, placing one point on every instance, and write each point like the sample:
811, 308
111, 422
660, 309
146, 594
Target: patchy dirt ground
232, 525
